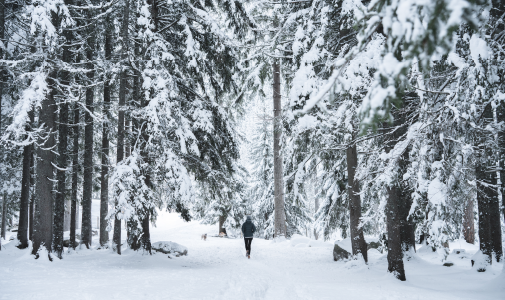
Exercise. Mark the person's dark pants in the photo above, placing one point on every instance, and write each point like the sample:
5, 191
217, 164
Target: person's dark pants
248, 242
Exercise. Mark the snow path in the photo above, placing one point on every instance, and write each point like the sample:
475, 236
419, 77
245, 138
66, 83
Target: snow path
218, 269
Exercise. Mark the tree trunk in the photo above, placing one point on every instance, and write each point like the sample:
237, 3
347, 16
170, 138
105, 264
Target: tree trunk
2, 37
43, 226
487, 200
25, 199
468, 222
316, 208
222, 219
280, 215
120, 129
407, 225
4, 215
357, 239
75, 175
484, 194
395, 253
495, 224
146, 234
86, 230
104, 186
32, 186
61, 172
59, 203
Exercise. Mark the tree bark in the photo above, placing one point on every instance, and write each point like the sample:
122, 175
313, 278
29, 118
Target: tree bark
468, 222
104, 187
357, 239
59, 203
25, 199
32, 186
4, 215
87, 194
280, 214
61, 171
121, 129
395, 253
407, 225
484, 194
222, 219
43, 229
2, 38
75, 174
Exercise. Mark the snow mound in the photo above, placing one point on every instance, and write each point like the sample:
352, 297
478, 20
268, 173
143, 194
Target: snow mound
168, 247
299, 241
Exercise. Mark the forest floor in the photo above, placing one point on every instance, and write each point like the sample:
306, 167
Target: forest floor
218, 269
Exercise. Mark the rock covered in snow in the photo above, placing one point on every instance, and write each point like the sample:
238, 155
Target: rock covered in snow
168, 247
480, 261
340, 253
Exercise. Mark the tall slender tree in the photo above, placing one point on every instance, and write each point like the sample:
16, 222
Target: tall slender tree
88, 166
280, 214
121, 113
104, 183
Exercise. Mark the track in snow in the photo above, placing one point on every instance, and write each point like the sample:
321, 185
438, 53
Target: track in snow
218, 269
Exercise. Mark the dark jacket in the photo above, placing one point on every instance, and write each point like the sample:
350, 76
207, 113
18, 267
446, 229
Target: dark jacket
248, 228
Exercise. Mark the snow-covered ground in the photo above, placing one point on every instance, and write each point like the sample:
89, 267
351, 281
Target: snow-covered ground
217, 269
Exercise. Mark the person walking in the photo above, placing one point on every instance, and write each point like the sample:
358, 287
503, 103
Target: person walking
248, 230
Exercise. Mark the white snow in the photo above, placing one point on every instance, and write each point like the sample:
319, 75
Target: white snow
300, 268
478, 48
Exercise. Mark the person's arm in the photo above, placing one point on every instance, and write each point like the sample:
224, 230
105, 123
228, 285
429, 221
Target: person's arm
243, 229
254, 228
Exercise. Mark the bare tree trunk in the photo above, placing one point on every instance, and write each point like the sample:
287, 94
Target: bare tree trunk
468, 222
59, 204
4, 215
407, 225
222, 219
25, 199
316, 208
122, 102
357, 239
280, 214
146, 234
43, 226
32, 186
61, 172
104, 187
75, 174
488, 202
395, 253
2, 38
87, 194
484, 193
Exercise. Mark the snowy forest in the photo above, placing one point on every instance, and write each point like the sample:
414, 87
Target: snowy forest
321, 119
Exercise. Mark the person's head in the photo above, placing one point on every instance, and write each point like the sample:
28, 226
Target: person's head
249, 218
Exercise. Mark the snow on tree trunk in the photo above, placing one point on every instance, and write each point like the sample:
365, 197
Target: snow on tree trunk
357, 239
280, 216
